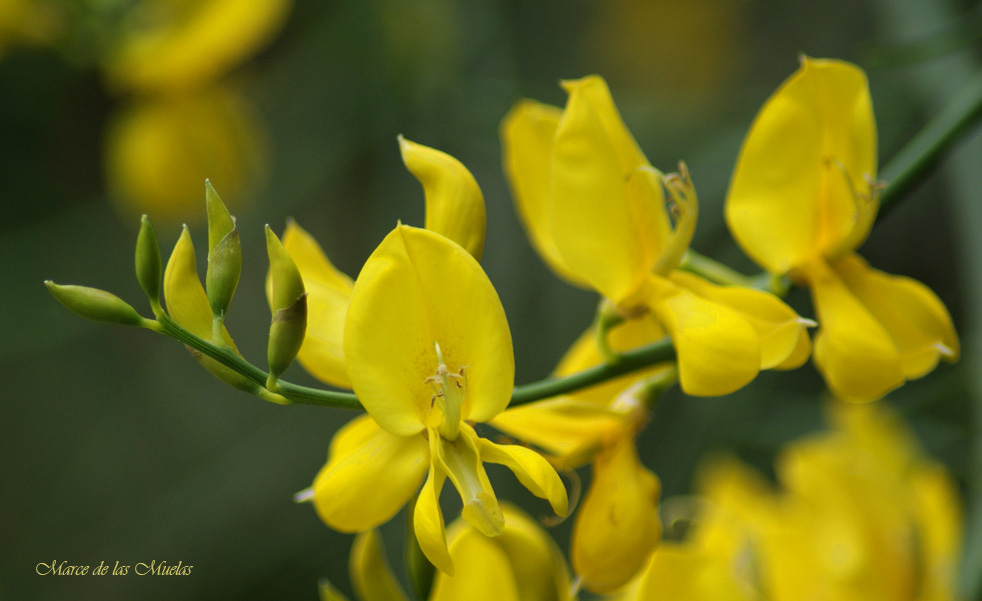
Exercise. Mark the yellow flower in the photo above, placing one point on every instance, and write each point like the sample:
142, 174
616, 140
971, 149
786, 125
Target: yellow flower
595, 209
802, 199
617, 525
520, 564
428, 352
159, 150
454, 208
171, 45
860, 515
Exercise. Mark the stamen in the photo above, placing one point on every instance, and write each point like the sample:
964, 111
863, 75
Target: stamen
683, 205
450, 390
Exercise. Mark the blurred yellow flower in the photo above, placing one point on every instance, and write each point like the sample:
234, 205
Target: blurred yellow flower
595, 209
159, 150
178, 45
802, 199
27, 22
861, 514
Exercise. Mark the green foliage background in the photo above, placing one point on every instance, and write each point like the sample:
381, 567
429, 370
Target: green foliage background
117, 447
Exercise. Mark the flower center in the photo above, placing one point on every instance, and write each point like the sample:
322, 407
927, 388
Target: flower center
450, 390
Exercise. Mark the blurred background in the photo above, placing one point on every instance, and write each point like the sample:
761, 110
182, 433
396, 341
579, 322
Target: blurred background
116, 446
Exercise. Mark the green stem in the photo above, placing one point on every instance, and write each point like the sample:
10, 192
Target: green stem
928, 147
293, 392
639, 358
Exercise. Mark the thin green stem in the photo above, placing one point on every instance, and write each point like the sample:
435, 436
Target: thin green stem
293, 392
928, 147
639, 358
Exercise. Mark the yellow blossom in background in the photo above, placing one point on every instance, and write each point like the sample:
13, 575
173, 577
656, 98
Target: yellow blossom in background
803, 197
28, 22
454, 208
178, 45
596, 211
616, 525
159, 149
860, 514
183, 121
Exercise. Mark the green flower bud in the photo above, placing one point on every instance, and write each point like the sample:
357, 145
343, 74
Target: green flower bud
222, 277
95, 304
289, 306
224, 254
148, 264
220, 221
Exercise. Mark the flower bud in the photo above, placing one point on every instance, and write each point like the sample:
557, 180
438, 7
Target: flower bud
148, 263
95, 304
224, 253
289, 306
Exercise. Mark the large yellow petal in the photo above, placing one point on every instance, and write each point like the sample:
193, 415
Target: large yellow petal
853, 351
482, 572
522, 563
617, 527
783, 335
800, 185
718, 350
454, 203
604, 228
685, 572
527, 135
531, 469
913, 316
328, 292
419, 289
346, 493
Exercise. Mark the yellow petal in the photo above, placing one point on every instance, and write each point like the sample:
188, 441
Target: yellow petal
532, 471
482, 572
685, 572
328, 291
185, 297
718, 350
537, 563
346, 492
454, 203
852, 350
604, 228
527, 134
800, 186
567, 427
460, 460
617, 527
938, 518
419, 289
913, 316
371, 575
428, 522
164, 47
783, 335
